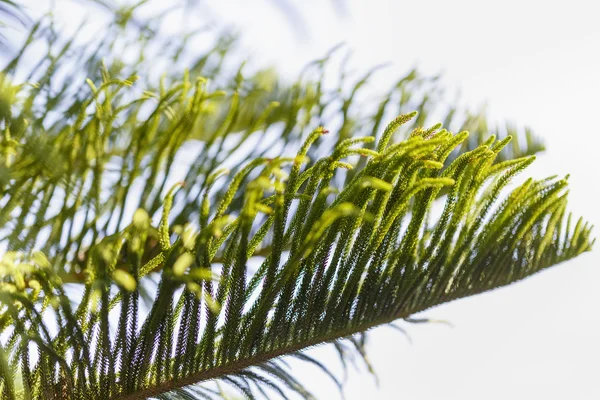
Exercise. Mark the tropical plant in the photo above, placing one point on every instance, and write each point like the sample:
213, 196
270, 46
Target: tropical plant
159, 237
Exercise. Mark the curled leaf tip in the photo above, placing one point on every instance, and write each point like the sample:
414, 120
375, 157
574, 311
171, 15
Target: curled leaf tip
432, 164
182, 264
124, 280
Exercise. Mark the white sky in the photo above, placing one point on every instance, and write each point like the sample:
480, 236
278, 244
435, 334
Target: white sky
534, 62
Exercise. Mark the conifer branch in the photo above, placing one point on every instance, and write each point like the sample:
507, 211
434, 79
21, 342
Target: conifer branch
281, 239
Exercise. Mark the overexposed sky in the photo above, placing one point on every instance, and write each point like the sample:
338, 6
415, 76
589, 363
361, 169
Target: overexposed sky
533, 62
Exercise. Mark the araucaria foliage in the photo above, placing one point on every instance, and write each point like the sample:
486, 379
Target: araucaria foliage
267, 234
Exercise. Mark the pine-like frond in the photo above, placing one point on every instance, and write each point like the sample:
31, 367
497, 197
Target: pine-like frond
135, 137
336, 261
265, 237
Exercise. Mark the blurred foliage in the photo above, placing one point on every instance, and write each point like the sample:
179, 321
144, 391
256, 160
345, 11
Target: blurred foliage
137, 134
113, 162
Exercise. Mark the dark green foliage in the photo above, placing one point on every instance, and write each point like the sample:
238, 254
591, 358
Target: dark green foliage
266, 235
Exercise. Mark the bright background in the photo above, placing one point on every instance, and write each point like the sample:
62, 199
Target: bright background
532, 62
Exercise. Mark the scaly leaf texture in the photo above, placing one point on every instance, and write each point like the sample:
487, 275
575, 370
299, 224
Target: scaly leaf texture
76, 151
265, 238
341, 261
